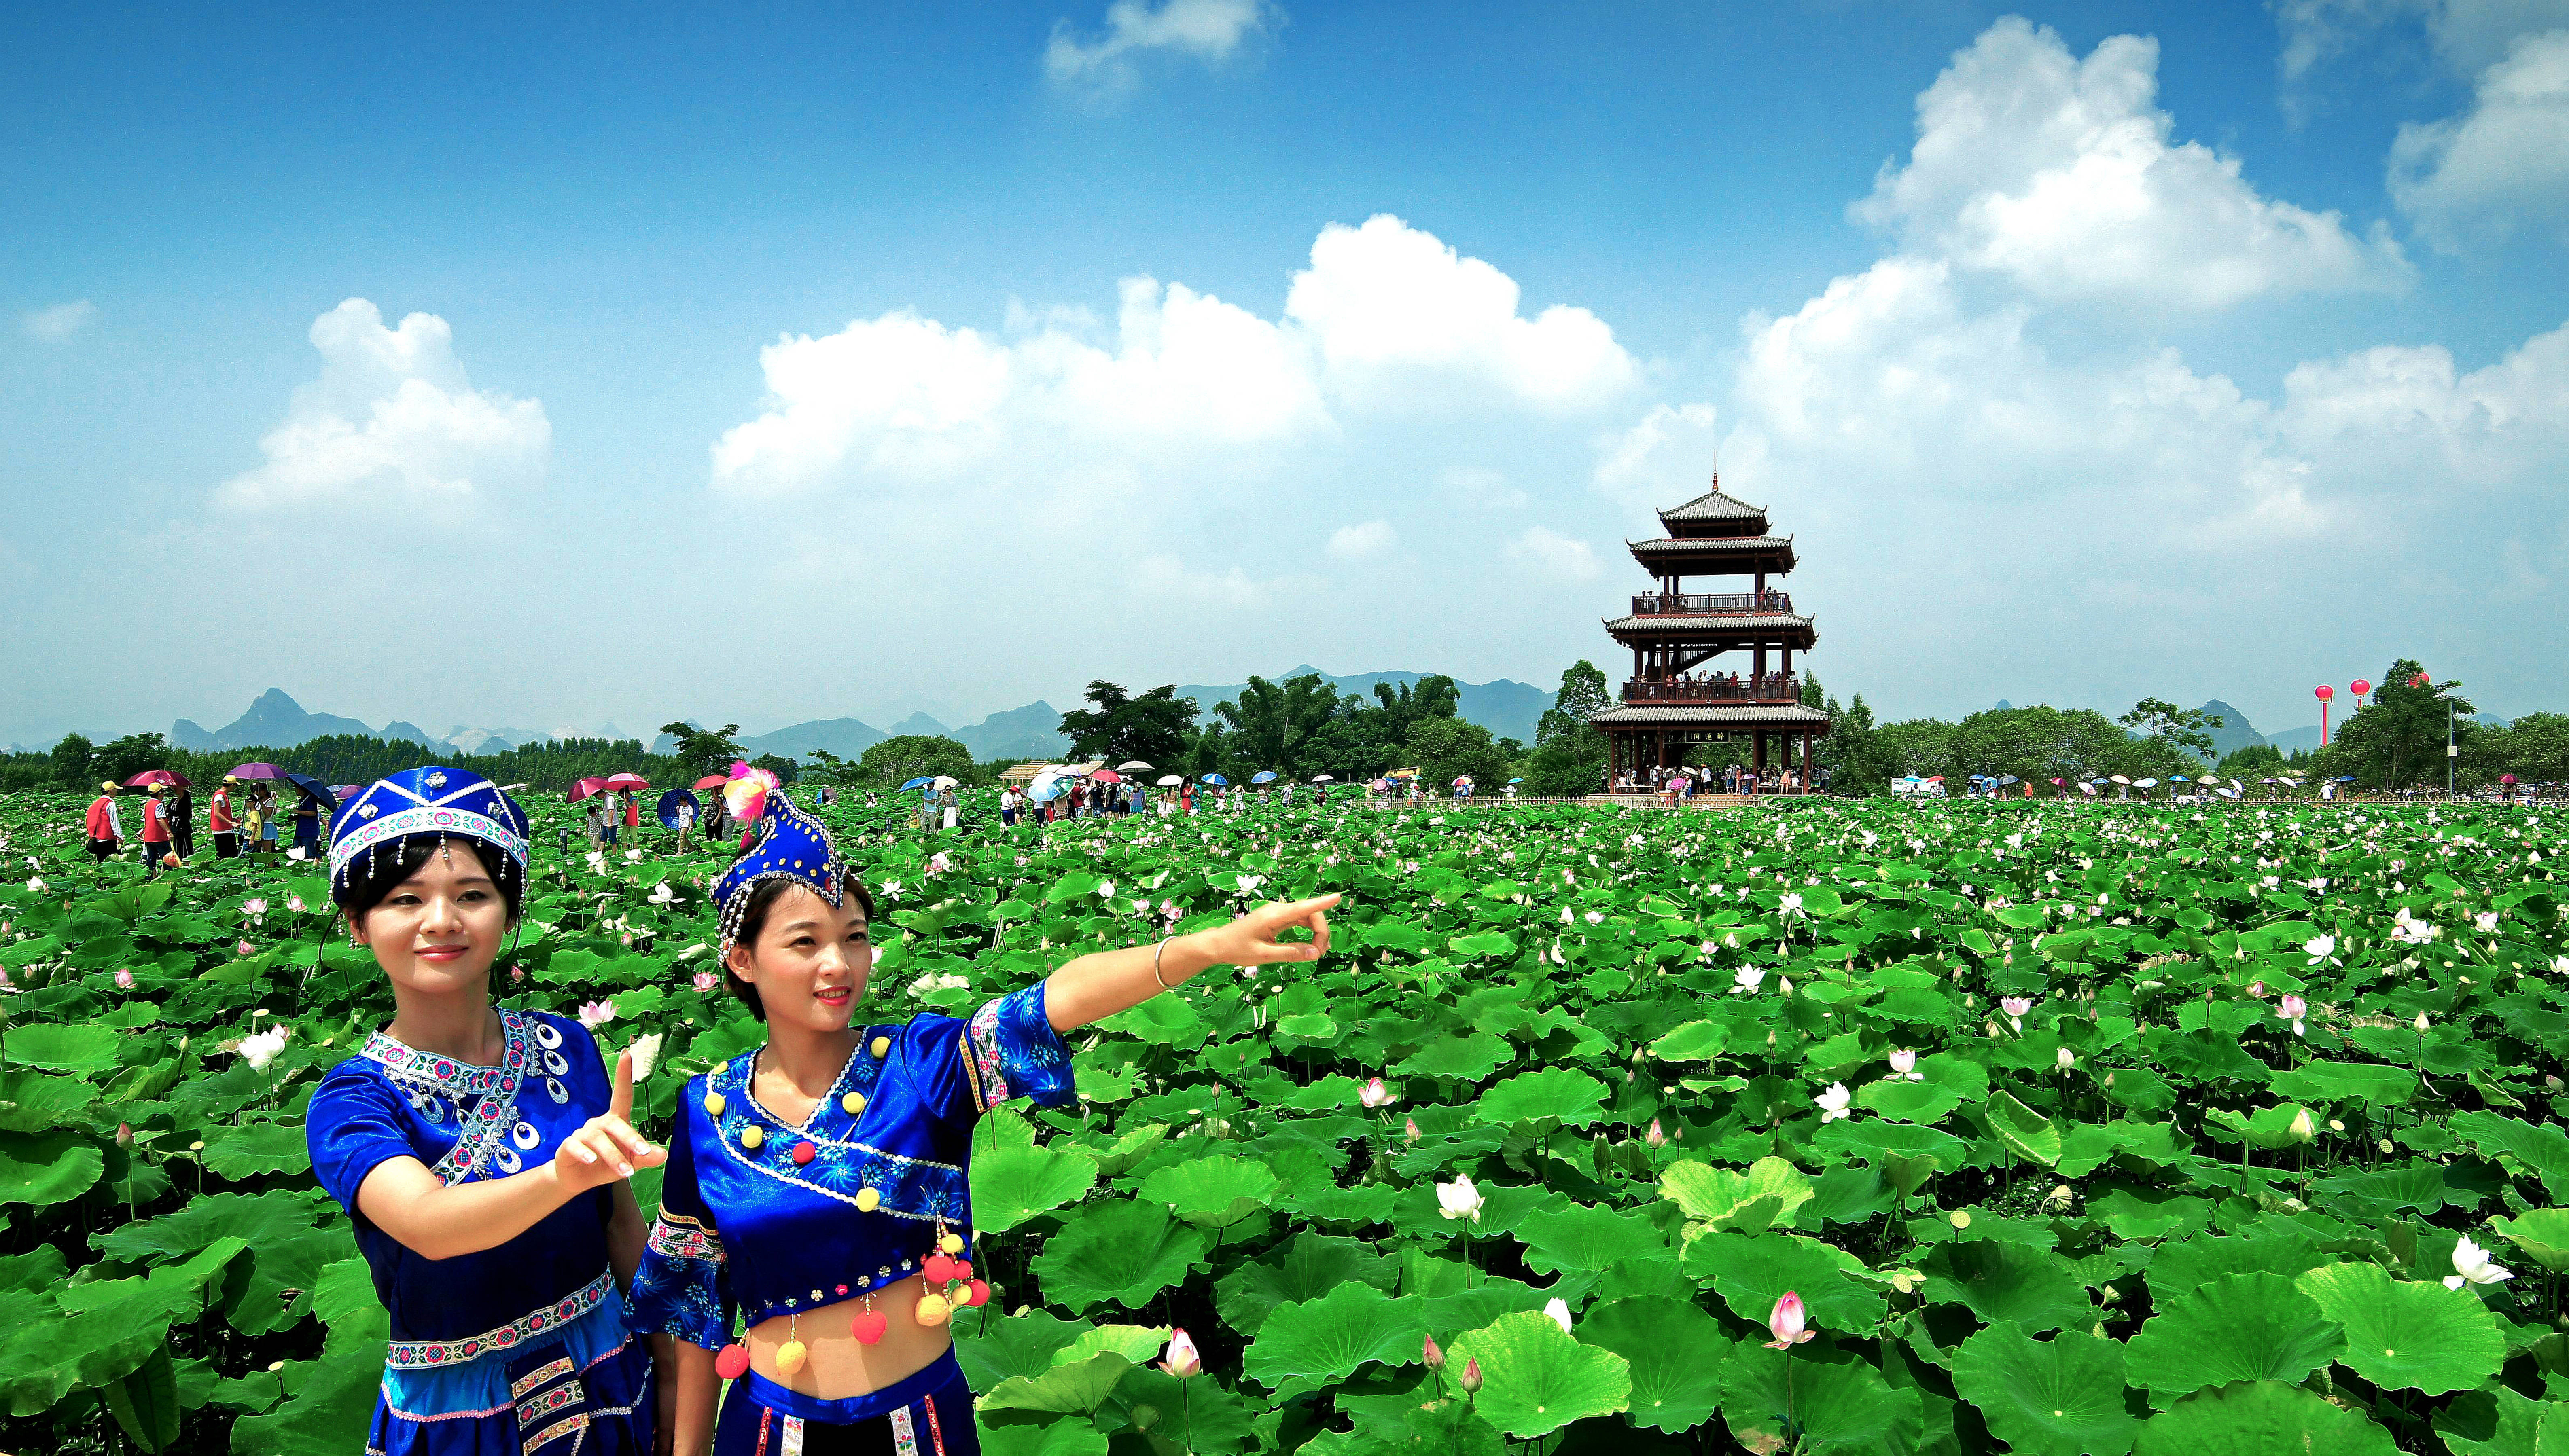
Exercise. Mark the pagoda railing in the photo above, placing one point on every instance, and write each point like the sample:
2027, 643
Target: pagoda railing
1711, 603
1775, 687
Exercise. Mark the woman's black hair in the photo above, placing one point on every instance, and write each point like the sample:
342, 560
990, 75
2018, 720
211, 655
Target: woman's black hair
753, 920
372, 877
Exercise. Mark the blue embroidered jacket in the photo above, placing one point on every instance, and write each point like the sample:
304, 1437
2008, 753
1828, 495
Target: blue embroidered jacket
465, 1122
760, 1216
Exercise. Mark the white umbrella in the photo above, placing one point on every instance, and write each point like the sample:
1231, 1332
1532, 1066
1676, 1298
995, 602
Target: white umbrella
943, 782
1171, 781
2119, 779
1132, 765
1323, 779
2207, 779
2146, 783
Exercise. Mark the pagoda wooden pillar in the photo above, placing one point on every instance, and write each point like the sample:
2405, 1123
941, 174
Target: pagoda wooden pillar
1757, 750
1762, 659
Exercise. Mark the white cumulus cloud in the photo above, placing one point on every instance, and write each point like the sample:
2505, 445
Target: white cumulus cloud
392, 415
59, 322
1666, 457
1368, 538
2060, 176
2501, 164
1554, 555
1207, 30
904, 401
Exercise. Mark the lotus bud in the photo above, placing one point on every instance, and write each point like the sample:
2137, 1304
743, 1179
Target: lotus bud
1183, 1360
2303, 1131
1434, 1356
124, 1135
2065, 1059
1471, 1378
2421, 1023
1654, 1135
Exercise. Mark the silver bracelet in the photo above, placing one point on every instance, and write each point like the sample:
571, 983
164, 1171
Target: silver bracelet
1155, 962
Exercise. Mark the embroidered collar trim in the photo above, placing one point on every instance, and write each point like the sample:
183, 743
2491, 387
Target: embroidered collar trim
489, 1119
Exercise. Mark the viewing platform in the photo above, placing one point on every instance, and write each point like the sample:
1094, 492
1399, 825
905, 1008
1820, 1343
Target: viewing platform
1714, 603
1771, 689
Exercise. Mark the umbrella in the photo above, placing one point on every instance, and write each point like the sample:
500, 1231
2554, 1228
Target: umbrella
2207, 779
1323, 778
1459, 783
1133, 766
254, 771
2010, 779
943, 782
922, 782
2345, 778
1171, 781
313, 788
343, 792
671, 803
1107, 776
1516, 780
164, 776
1262, 776
1935, 778
2119, 779
586, 787
2084, 784
2056, 783
1217, 779
711, 781
628, 781
2506, 778
2146, 783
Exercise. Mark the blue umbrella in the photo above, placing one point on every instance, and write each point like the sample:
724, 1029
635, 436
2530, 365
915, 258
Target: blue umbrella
320, 792
922, 782
673, 802
1217, 779
1262, 776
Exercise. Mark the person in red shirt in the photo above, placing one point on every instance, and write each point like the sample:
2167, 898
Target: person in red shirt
106, 835
226, 829
156, 833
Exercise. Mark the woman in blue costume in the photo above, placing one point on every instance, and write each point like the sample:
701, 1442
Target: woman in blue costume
482, 1153
816, 1189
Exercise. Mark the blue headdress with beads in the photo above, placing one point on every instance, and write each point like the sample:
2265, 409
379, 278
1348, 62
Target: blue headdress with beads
790, 846
448, 804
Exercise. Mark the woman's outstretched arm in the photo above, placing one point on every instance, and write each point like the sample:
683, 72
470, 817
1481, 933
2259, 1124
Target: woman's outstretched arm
1098, 985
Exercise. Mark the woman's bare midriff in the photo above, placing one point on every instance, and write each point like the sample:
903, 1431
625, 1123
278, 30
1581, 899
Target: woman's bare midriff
834, 1365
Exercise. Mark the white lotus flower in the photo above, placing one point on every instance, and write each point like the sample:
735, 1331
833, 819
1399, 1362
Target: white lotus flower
2487, 922
1746, 979
646, 1053
1903, 1066
1558, 1310
35, 885
1833, 1103
260, 1048
1790, 905
2066, 1058
1459, 1200
2320, 948
2472, 1266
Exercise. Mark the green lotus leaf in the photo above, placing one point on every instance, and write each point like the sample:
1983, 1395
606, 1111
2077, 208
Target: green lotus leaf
1676, 1352
1149, 1400
63, 1047
2046, 1397
31, 1102
2251, 1326
1119, 1252
1012, 1180
1582, 1238
2543, 1150
2002, 1281
1049, 1438
1876, 1140
2026, 1131
1305, 1345
1905, 1101
2261, 1418
1827, 1399
1215, 1192
1573, 1098
259, 1147
1695, 1041
1468, 1057
1771, 1192
1751, 1273
44, 1169
1536, 1378
288, 1252
2541, 1234
2191, 1263
1306, 1267
2407, 1335
1075, 1385
2365, 1083
2495, 1421
2149, 1213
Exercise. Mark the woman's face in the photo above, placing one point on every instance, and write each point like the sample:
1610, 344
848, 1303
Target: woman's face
439, 931
810, 963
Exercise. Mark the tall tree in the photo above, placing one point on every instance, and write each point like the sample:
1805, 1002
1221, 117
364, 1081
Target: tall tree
72, 758
1272, 723
1570, 754
130, 755
2398, 742
899, 759
704, 750
2186, 728
1119, 727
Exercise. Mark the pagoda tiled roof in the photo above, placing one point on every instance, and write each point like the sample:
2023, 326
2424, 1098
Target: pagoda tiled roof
1714, 505
1701, 621
1740, 715
1712, 545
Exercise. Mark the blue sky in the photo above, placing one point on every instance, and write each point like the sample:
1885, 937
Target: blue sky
792, 365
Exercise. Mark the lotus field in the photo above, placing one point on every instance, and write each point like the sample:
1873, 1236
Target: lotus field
1836, 1127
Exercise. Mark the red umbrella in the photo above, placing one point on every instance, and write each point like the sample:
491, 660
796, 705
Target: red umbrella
1107, 776
164, 776
585, 788
712, 781
628, 781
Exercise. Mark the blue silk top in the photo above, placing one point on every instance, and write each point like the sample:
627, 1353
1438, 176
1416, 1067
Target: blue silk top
761, 1217
466, 1122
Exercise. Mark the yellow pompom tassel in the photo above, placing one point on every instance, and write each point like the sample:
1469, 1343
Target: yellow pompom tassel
883, 1045
932, 1310
853, 1102
713, 1104
868, 1200
952, 1243
789, 1357
750, 1137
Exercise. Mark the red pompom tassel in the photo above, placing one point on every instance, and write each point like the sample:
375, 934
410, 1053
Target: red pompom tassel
733, 1362
978, 1294
963, 1268
868, 1328
938, 1268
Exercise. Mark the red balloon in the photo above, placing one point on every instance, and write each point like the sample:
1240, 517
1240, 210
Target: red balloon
733, 1362
2323, 692
2359, 687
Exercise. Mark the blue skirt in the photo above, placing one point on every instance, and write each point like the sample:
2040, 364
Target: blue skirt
927, 1413
585, 1387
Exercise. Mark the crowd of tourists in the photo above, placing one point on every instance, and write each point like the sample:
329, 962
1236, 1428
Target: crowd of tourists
240, 819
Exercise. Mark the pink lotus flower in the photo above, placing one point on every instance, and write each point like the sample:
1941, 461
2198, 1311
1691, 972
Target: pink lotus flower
295, 904
125, 981
594, 1014
1788, 1324
1376, 1094
1409, 1133
244, 948
1183, 1360
253, 907
2292, 1008
706, 981
2016, 1007
1654, 1135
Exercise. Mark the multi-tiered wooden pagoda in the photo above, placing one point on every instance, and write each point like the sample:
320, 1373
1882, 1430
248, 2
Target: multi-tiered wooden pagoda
1681, 693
